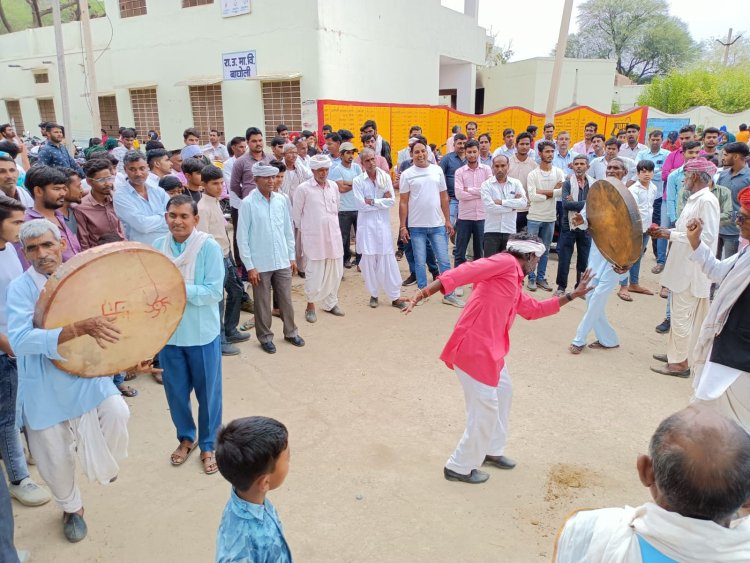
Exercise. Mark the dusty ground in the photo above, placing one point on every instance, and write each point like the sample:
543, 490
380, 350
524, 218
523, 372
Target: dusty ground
373, 415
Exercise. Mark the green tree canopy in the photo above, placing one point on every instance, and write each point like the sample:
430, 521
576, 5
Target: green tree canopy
639, 35
726, 90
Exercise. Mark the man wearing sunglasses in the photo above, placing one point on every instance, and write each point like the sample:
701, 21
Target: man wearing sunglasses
95, 214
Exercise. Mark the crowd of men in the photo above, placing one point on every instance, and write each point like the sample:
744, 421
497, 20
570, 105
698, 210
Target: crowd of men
295, 206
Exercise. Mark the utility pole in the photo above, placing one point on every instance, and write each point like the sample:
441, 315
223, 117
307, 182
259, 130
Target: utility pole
96, 120
728, 44
562, 43
61, 74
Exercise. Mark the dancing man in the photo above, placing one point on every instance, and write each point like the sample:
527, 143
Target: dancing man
480, 341
64, 415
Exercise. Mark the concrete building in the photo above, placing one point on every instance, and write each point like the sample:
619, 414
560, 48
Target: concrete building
586, 82
162, 64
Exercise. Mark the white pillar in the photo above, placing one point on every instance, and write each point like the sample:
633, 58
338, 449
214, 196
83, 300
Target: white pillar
466, 79
471, 8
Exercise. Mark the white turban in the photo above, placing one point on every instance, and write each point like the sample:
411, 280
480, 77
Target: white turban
527, 247
320, 161
261, 170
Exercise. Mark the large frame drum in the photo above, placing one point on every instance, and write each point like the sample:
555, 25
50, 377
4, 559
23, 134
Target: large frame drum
132, 284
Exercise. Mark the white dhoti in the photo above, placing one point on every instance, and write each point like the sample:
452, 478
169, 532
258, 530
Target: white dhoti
99, 437
322, 280
734, 403
688, 313
487, 412
380, 271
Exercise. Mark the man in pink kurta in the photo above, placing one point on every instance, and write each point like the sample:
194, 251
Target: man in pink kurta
316, 214
480, 341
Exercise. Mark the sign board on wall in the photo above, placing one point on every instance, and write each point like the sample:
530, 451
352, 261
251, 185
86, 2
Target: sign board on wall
231, 8
240, 65
666, 124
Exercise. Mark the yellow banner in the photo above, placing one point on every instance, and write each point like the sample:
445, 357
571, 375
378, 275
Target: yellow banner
395, 120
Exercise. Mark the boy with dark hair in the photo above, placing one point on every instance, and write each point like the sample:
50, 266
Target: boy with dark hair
192, 168
213, 222
253, 455
171, 185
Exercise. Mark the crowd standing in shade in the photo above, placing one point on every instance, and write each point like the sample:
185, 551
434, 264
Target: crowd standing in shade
240, 220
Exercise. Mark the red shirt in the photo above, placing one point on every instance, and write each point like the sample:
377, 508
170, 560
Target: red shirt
481, 337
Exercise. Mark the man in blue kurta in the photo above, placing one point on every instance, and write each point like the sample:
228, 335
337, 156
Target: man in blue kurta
63, 414
192, 358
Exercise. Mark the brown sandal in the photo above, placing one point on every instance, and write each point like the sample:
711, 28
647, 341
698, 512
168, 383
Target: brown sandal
182, 453
573, 349
209, 463
596, 345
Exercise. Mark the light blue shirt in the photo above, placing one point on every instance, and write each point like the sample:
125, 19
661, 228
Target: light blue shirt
658, 158
143, 219
200, 321
46, 394
674, 185
251, 533
563, 162
264, 232
347, 201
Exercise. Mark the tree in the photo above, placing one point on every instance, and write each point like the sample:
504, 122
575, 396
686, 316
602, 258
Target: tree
640, 35
496, 54
726, 90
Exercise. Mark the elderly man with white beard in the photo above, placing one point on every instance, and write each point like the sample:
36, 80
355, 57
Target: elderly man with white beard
297, 172
374, 194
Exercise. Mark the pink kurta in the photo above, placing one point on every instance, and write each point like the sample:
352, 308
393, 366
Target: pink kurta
481, 337
316, 214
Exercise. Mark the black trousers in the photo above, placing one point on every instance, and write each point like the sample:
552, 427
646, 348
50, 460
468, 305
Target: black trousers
495, 243
347, 220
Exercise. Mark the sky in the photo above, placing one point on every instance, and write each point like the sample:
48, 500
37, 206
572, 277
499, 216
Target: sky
533, 32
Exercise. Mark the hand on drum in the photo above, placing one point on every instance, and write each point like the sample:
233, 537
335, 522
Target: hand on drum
583, 286
100, 329
619, 269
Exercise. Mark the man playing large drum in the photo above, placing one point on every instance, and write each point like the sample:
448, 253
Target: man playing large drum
63, 414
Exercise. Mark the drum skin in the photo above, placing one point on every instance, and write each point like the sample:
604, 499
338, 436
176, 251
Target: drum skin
135, 286
614, 222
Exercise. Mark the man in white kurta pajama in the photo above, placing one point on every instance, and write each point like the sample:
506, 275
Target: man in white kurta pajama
690, 287
316, 212
722, 356
373, 191
65, 416
297, 172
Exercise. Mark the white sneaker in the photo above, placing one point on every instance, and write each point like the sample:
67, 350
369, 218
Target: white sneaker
28, 493
459, 291
454, 301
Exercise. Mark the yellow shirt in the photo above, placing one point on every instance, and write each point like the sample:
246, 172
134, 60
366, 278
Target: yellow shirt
743, 136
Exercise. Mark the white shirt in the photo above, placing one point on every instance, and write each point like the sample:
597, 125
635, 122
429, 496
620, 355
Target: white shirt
10, 269
424, 186
542, 208
632, 154
373, 221
681, 274
234, 200
218, 152
644, 198
502, 218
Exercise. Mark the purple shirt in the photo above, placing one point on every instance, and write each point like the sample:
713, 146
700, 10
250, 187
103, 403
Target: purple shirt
73, 246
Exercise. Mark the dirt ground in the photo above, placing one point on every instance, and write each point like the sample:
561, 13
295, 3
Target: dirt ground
373, 415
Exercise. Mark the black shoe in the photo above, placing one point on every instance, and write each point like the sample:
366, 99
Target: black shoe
296, 340
664, 327
411, 280
301, 274
238, 337
499, 461
74, 527
228, 349
475, 477
269, 347
661, 358
348, 265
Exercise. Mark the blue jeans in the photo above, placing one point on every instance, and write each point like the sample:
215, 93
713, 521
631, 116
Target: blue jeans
438, 238
635, 270
544, 230
465, 230
229, 308
431, 262
453, 210
661, 244
8, 552
119, 379
194, 368
10, 438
